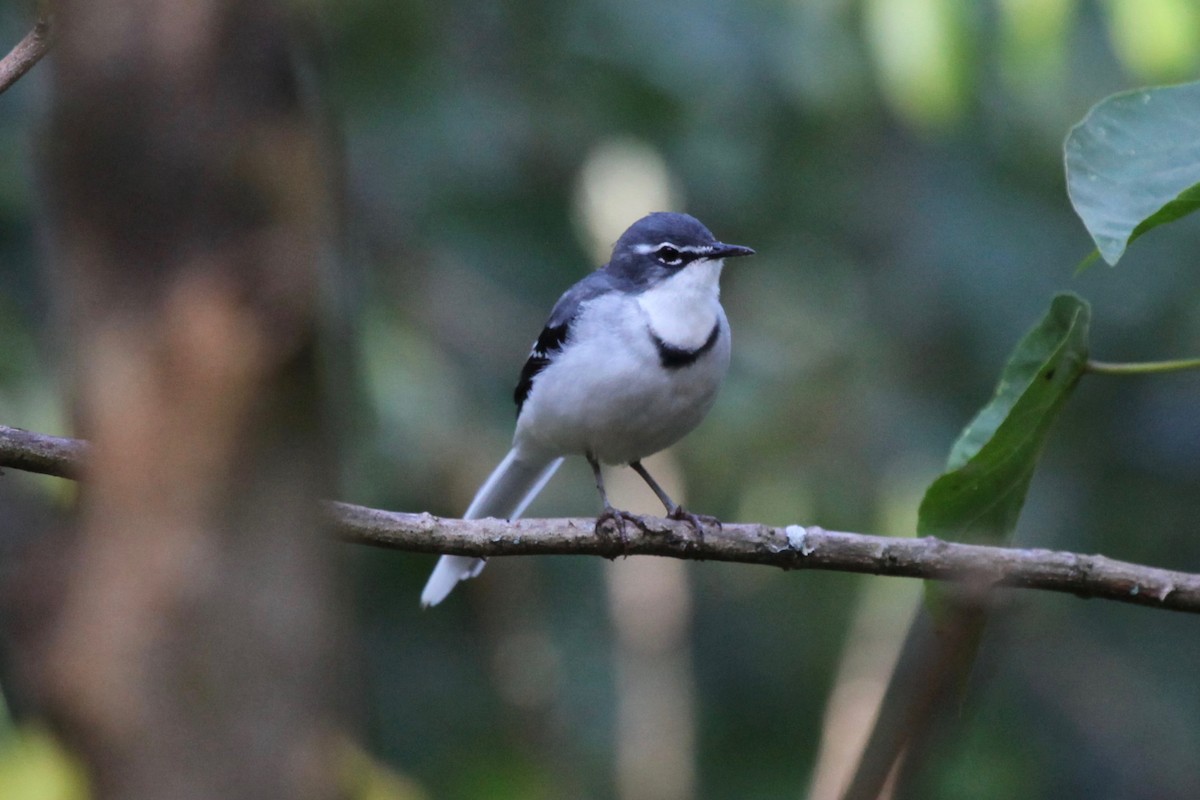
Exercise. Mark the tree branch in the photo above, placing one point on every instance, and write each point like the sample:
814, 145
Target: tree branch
791, 547
37, 452
27, 53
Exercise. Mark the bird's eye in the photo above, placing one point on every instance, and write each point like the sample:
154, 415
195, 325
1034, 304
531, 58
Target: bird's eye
669, 256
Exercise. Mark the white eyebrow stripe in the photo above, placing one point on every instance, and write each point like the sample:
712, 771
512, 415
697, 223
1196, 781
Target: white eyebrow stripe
695, 249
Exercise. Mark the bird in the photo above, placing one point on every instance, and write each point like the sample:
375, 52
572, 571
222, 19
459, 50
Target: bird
629, 361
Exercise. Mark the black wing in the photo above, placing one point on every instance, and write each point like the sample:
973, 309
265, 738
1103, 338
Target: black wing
550, 341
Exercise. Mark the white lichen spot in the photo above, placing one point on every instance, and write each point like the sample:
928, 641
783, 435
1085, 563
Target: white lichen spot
1137, 587
797, 538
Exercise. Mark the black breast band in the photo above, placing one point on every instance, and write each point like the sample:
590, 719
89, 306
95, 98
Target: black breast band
672, 357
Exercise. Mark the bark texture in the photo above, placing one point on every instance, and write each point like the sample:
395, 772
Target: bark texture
192, 652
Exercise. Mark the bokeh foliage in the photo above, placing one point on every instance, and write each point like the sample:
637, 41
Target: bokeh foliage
897, 164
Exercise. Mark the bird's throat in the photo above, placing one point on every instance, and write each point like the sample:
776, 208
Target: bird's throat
683, 310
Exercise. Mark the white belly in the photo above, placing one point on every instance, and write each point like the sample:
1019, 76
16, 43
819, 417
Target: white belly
611, 397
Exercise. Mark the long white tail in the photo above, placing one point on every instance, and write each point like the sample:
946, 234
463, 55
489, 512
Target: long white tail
505, 494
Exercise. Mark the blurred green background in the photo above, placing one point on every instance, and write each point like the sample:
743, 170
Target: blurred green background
897, 165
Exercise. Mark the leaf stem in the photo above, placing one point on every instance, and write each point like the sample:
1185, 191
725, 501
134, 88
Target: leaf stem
1141, 368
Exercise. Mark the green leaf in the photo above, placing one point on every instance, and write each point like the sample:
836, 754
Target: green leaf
979, 497
1133, 163
35, 766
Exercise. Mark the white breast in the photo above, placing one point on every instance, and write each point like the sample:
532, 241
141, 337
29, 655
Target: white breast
683, 309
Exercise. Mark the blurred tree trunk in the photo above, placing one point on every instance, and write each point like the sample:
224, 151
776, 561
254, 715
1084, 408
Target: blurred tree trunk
193, 654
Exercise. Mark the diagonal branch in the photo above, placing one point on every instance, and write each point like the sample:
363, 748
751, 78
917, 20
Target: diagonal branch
791, 547
27, 53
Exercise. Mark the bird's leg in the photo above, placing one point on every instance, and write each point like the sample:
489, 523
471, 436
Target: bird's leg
674, 510
617, 516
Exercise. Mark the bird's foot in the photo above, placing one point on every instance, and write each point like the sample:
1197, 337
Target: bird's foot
697, 521
613, 520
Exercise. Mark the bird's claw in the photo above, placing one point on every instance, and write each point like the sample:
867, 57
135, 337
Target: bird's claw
614, 519
697, 521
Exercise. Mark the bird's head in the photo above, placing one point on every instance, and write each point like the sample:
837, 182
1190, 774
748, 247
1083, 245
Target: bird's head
661, 244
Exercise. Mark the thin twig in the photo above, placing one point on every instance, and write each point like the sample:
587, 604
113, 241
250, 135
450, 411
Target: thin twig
27, 53
1141, 367
791, 547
